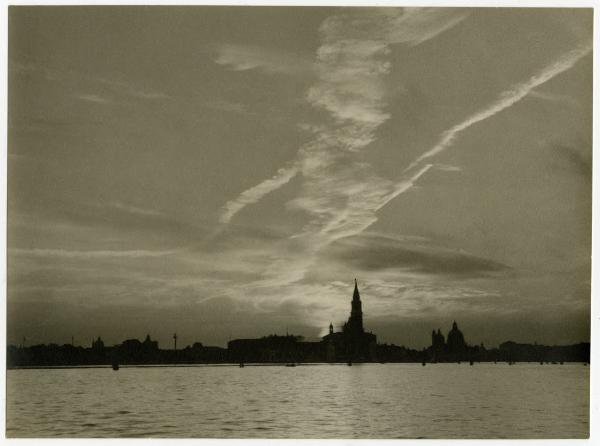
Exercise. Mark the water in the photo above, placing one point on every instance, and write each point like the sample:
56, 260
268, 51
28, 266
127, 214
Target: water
317, 401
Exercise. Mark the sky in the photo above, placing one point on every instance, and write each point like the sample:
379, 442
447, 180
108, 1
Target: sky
227, 172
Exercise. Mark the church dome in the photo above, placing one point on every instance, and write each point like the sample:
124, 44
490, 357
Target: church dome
455, 339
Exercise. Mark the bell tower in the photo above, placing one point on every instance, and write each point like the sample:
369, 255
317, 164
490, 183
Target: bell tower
355, 323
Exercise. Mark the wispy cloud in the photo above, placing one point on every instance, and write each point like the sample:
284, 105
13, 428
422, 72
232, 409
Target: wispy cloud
118, 87
447, 168
226, 106
404, 185
553, 97
93, 98
507, 99
39, 252
129, 88
254, 194
246, 57
134, 209
411, 26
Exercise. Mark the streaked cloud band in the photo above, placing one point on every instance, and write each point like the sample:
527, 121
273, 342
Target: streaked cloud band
507, 99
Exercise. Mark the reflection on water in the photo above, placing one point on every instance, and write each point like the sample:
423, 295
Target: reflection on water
317, 401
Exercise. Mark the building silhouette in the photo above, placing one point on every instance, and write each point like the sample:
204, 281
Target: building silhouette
438, 345
453, 348
98, 345
455, 341
352, 343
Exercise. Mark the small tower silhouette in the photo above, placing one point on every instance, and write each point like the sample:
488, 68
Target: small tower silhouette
330, 328
175, 341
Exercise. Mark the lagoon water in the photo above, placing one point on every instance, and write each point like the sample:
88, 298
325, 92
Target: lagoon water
524, 400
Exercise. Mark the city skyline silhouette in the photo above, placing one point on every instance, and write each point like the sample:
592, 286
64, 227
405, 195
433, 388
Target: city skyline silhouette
352, 344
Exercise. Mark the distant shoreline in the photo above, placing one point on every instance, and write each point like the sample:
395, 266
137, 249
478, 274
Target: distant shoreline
264, 364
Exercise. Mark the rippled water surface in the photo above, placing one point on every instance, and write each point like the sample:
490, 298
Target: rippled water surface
316, 401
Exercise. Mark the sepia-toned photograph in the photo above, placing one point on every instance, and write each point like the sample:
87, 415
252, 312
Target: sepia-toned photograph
298, 222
